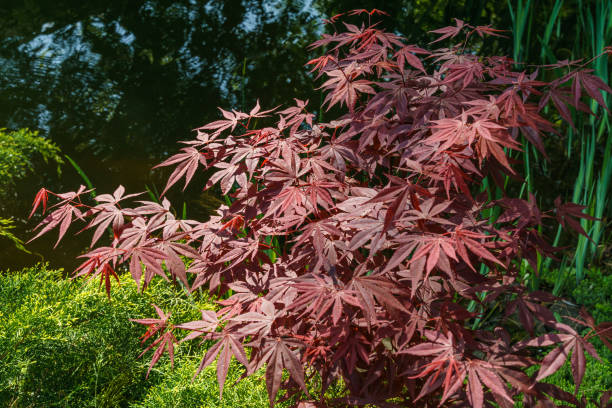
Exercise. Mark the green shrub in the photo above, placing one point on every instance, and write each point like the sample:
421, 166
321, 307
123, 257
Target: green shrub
17, 149
177, 389
595, 294
64, 344
597, 378
6, 225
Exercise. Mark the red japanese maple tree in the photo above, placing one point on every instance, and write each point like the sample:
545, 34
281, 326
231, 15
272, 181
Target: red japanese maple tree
381, 233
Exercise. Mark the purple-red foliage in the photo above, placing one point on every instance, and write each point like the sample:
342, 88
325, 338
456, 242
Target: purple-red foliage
382, 235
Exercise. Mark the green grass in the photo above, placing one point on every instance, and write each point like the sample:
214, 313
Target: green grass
595, 294
64, 344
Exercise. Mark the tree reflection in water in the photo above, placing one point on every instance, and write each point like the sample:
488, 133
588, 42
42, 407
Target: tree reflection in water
117, 83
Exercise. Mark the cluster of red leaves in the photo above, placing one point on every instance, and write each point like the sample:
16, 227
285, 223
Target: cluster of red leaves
382, 237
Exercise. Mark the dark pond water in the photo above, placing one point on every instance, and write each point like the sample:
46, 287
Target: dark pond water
116, 83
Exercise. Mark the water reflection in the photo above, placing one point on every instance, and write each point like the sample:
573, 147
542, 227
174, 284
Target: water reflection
116, 83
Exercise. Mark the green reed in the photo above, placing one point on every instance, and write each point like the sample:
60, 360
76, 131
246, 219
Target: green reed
590, 25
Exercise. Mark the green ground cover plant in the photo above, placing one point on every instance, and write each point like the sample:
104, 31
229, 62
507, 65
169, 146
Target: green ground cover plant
64, 344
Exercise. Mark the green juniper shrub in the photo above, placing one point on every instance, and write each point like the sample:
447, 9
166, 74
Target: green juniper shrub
6, 227
17, 151
64, 344
595, 293
597, 378
178, 389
